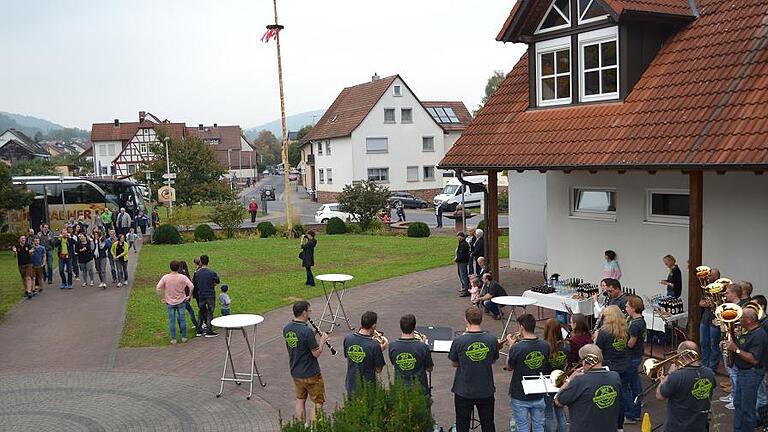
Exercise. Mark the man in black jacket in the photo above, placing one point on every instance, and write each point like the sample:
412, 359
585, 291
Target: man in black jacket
478, 250
205, 281
462, 260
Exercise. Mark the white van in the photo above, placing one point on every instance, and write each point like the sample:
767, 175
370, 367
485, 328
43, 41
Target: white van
452, 193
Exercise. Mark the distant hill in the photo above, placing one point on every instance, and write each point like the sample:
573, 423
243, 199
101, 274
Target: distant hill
293, 123
34, 125
42, 125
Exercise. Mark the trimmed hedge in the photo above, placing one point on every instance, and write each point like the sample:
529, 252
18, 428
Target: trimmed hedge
166, 234
418, 229
204, 232
336, 226
266, 229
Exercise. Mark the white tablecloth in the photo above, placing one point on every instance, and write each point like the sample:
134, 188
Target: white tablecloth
656, 323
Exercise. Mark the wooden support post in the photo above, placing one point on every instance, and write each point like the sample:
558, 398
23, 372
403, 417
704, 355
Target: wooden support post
492, 224
695, 225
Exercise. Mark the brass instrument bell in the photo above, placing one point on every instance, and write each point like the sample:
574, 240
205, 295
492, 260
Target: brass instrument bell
558, 377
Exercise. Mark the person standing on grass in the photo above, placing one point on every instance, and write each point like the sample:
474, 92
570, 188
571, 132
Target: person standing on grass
307, 255
253, 209
462, 261
155, 218
85, 259
24, 260
205, 281
120, 254
190, 292
39, 259
48, 239
100, 254
173, 288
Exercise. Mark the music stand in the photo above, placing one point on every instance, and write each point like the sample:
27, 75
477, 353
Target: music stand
338, 284
442, 335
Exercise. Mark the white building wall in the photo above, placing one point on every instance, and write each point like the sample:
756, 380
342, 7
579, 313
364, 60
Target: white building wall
527, 219
735, 234
340, 161
104, 152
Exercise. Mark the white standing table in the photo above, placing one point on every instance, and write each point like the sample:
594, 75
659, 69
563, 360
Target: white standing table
512, 301
239, 322
337, 288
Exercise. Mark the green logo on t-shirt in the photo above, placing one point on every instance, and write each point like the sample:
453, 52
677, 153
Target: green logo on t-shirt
356, 353
702, 389
557, 360
291, 339
534, 360
605, 396
405, 361
619, 344
477, 351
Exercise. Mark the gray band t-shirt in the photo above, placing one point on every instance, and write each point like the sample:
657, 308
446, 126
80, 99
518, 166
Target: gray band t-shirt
637, 329
688, 392
300, 341
527, 357
411, 359
596, 396
475, 353
615, 351
364, 356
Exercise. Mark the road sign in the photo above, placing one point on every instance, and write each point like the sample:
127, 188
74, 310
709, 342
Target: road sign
169, 176
166, 194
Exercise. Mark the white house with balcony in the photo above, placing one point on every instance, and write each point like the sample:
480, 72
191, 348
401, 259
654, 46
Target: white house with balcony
381, 131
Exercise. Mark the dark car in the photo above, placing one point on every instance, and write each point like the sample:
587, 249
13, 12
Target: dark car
408, 200
268, 193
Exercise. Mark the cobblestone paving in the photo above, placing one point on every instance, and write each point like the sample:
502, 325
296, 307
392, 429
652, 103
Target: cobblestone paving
107, 401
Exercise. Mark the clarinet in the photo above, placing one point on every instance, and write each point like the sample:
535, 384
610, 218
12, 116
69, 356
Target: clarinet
328, 344
599, 320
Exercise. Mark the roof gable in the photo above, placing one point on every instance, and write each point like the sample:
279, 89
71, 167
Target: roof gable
26, 142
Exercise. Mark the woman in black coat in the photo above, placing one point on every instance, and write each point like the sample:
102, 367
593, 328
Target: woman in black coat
307, 255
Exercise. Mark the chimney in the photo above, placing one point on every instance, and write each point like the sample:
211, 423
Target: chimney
200, 126
215, 125
142, 115
117, 122
375, 77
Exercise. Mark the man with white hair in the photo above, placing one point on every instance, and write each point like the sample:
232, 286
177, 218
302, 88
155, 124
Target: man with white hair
123, 222
478, 249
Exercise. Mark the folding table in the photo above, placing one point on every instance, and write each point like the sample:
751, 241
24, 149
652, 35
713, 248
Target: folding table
338, 284
239, 322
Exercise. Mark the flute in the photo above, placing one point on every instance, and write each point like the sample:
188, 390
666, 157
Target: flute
328, 344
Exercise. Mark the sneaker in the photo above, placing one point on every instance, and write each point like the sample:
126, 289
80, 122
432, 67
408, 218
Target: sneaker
730, 406
91, 283
50, 282
69, 286
62, 286
211, 334
183, 340
464, 294
199, 333
29, 295
85, 284
173, 341
119, 284
630, 421
77, 278
726, 399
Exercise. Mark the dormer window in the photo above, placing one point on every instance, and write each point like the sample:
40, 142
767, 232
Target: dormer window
554, 72
590, 11
558, 16
599, 54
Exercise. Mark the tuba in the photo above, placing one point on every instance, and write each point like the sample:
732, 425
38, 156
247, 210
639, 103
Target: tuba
755, 306
702, 274
728, 314
716, 291
558, 377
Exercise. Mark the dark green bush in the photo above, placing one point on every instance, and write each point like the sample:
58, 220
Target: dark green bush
204, 232
228, 215
8, 239
418, 229
298, 231
335, 226
481, 225
354, 228
166, 234
266, 229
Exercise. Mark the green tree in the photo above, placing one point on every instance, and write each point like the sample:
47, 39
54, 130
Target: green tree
364, 199
303, 132
268, 147
228, 215
490, 87
294, 150
12, 197
34, 167
198, 173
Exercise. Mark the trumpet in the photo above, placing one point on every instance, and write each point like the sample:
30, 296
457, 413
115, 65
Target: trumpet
420, 336
379, 337
558, 377
728, 314
654, 369
503, 340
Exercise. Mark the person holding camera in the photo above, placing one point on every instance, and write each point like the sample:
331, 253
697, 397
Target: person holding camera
307, 255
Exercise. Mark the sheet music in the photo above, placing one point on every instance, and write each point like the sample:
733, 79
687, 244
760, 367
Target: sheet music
442, 345
538, 385
564, 332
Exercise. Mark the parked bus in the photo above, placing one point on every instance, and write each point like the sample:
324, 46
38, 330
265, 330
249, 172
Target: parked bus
59, 198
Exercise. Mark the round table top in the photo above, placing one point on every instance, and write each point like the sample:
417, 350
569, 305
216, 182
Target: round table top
237, 320
513, 300
334, 277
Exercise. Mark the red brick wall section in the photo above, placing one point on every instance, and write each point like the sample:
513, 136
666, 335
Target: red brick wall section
327, 197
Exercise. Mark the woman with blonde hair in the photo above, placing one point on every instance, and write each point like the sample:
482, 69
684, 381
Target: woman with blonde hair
612, 339
559, 351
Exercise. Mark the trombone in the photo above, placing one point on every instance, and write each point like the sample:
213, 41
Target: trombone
654, 369
558, 377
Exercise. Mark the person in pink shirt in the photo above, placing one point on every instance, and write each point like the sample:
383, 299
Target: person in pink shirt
611, 268
172, 287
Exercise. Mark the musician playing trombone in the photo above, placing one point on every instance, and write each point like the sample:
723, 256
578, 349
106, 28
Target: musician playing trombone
303, 352
688, 392
410, 356
592, 395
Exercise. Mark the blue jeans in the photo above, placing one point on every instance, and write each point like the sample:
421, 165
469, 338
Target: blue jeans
49, 265
310, 277
550, 413
521, 410
463, 276
191, 311
631, 387
177, 312
762, 400
225, 312
710, 345
65, 271
745, 399
113, 269
491, 307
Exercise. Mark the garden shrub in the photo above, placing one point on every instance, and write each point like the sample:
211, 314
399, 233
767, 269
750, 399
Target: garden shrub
335, 226
481, 225
266, 229
8, 239
166, 234
228, 215
298, 231
418, 229
204, 233
354, 228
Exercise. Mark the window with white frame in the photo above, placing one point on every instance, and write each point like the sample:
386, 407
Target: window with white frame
328, 147
143, 148
131, 169
406, 115
429, 172
320, 148
412, 174
389, 115
397, 90
321, 175
376, 145
599, 66
667, 206
378, 174
428, 144
111, 149
329, 175
558, 16
553, 84
590, 11
596, 203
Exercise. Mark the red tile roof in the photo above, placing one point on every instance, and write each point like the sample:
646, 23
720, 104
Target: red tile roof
700, 104
349, 109
126, 131
458, 107
229, 139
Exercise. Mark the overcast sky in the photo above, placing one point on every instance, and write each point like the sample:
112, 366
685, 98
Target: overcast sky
76, 62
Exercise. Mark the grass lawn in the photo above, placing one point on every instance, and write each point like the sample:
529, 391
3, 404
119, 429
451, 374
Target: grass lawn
265, 274
10, 282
